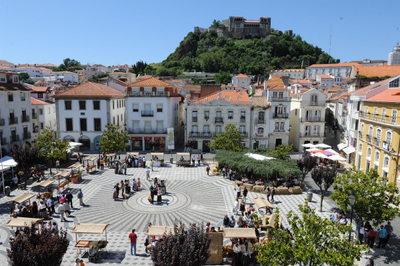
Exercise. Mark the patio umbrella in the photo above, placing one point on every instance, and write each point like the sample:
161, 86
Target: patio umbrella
322, 146
336, 158
320, 155
313, 149
316, 151
308, 145
332, 151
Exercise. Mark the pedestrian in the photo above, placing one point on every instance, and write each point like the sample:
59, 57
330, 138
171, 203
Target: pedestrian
232, 222
193, 160
382, 237
208, 170
370, 262
361, 235
371, 237
148, 174
201, 156
61, 210
48, 205
198, 159
87, 168
245, 191
125, 167
152, 165
272, 195
268, 193
159, 200
133, 237
389, 231
80, 197
81, 263
77, 262
69, 198
151, 198
242, 207
238, 190
224, 172
122, 189
225, 221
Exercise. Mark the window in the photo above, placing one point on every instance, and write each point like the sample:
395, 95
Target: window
68, 105
113, 104
206, 114
375, 112
274, 94
2, 78
394, 116
377, 157
260, 131
316, 130
83, 124
386, 162
383, 114
41, 126
160, 127
135, 107
366, 109
40, 111
40, 95
282, 127
97, 124
16, 79
68, 124
314, 99
194, 116
159, 108
22, 96
136, 127
96, 105
360, 147
242, 129
82, 105
370, 130
276, 125
378, 136
218, 129
243, 114
394, 83
147, 126
194, 130
362, 128
230, 114
369, 152
388, 137
206, 130
10, 97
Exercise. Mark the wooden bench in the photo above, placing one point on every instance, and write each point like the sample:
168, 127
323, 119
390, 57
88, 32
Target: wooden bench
63, 184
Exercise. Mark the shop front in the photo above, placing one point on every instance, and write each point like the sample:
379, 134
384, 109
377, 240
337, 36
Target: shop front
137, 143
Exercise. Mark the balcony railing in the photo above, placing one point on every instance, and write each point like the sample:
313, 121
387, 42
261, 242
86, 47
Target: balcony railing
279, 130
243, 120
280, 115
368, 138
25, 118
147, 113
26, 135
149, 131
259, 121
279, 99
311, 119
377, 141
13, 120
379, 118
314, 103
219, 120
2, 121
201, 134
194, 119
14, 138
35, 130
244, 134
3, 141
34, 115
386, 145
311, 135
148, 94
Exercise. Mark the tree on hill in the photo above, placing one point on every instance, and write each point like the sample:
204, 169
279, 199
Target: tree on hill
222, 77
376, 200
114, 139
316, 241
68, 65
50, 148
139, 68
231, 139
38, 247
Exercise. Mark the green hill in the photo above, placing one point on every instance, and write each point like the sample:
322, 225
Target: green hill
209, 53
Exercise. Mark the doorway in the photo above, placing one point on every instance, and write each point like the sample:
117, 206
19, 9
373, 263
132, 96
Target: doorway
278, 142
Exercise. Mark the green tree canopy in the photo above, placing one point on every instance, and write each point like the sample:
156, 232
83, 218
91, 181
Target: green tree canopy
222, 77
306, 164
282, 151
376, 200
24, 76
316, 241
68, 65
50, 148
323, 178
114, 139
26, 157
231, 139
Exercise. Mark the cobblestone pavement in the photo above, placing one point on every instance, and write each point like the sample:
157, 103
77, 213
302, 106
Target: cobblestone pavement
192, 197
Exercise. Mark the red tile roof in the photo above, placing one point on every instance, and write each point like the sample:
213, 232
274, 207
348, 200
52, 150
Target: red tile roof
388, 95
150, 82
378, 71
35, 101
241, 76
38, 89
236, 96
46, 65
324, 76
335, 65
275, 82
90, 90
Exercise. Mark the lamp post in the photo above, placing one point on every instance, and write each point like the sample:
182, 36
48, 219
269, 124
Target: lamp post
352, 200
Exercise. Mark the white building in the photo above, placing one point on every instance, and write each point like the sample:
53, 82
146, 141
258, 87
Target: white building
85, 110
152, 106
206, 117
15, 109
262, 118
241, 81
63, 76
336, 70
325, 81
292, 73
307, 118
43, 115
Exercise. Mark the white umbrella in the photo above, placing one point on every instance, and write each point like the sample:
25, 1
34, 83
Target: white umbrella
74, 144
308, 145
312, 149
332, 151
8, 161
322, 146
320, 155
336, 158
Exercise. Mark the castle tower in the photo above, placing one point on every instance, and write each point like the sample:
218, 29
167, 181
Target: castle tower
394, 57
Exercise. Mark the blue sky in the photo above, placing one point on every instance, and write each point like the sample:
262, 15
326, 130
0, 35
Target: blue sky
125, 31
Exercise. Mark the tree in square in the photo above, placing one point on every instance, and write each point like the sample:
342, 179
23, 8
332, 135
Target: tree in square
114, 139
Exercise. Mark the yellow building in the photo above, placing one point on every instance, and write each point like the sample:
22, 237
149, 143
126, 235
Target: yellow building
379, 134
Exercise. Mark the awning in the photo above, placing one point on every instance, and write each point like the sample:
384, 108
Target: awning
91, 158
182, 154
341, 146
322, 146
349, 150
132, 153
336, 158
239, 233
64, 174
89, 228
155, 230
8, 161
22, 222
110, 154
262, 203
44, 183
158, 154
22, 198
75, 165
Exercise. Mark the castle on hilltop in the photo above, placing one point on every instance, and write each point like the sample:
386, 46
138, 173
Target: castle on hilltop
238, 27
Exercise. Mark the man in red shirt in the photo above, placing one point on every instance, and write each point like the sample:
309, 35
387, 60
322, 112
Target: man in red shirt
133, 237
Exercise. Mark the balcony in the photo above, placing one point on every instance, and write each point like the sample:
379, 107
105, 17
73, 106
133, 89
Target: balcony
244, 134
360, 134
148, 94
386, 145
201, 134
2, 122
13, 120
26, 135
369, 138
280, 115
149, 131
279, 99
35, 129
3, 141
194, 119
377, 141
25, 118
219, 120
279, 130
14, 138
34, 115
311, 135
259, 121
378, 118
311, 119
243, 120
314, 103
147, 113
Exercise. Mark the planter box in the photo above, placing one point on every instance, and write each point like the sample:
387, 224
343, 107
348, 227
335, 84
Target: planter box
259, 189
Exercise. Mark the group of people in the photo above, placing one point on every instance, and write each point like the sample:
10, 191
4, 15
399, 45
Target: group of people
228, 173
156, 191
125, 188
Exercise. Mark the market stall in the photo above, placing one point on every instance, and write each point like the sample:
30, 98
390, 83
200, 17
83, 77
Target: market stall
159, 230
239, 233
182, 159
63, 174
262, 203
22, 198
91, 159
46, 184
216, 256
160, 158
132, 153
90, 228
23, 222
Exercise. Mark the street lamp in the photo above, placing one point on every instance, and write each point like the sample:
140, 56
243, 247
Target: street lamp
352, 200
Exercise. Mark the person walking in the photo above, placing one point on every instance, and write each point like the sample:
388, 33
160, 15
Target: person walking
69, 198
61, 210
389, 231
245, 191
148, 174
133, 238
272, 195
122, 189
208, 170
198, 159
201, 156
242, 207
80, 197
152, 165
382, 237
268, 193
238, 190
371, 237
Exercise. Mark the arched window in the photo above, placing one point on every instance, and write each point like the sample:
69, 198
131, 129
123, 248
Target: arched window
377, 154
386, 162
260, 131
369, 152
360, 147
